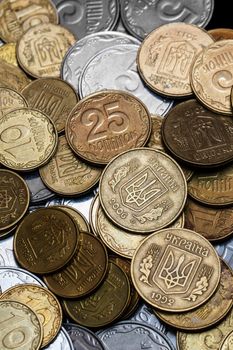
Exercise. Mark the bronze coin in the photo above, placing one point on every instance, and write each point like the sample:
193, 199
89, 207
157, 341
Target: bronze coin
221, 33
85, 271
93, 214
8, 53
207, 141
106, 304
14, 199
9, 100
79, 218
105, 124
12, 77
45, 240
5, 233
227, 343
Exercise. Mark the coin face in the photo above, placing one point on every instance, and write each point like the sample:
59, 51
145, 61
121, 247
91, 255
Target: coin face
9, 100
166, 56
8, 53
12, 77
41, 49
45, 240
175, 270
105, 124
61, 342
221, 33
227, 343
143, 190
28, 139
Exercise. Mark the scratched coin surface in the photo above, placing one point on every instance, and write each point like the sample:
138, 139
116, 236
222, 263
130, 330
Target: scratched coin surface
43, 303
9, 100
20, 327
212, 76
221, 33
143, 190
12, 77
227, 343
166, 56
45, 240
8, 53
41, 49
105, 124
175, 270
28, 139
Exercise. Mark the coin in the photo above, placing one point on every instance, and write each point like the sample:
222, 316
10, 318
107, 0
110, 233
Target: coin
45, 240
142, 190
61, 342
93, 214
79, 219
211, 76
221, 33
38, 191
66, 174
166, 55
175, 270
9, 100
8, 53
41, 49
14, 199
7, 257
227, 343
52, 96
12, 77
28, 139
20, 327
105, 124
84, 272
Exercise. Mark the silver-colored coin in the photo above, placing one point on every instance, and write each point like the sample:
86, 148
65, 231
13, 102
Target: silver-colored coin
225, 250
120, 27
116, 68
7, 257
136, 335
38, 191
80, 53
1, 43
141, 17
82, 338
61, 342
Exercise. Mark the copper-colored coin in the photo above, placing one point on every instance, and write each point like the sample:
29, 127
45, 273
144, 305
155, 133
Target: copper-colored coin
84, 272
12, 77
106, 304
209, 313
43, 303
105, 124
143, 190
93, 214
18, 16
175, 270
45, 240
79, 218
9, 100
8, 53
28, 139
66, 174
4, 233
54, 97
212, 76
227, 343
41, 49
14, 199
221, 33
207, 141
166, 55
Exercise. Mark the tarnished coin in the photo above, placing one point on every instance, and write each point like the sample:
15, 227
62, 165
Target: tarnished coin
41, 49
14, 199
38, 191
45, 240
212, 76
8, 53
43, 303
66, 174
12, 77
79, 218
175, 270
227, 343
84, 272
105, 124
52, 96
221, 33
9, 100
166, 56
20, 327
143, 190
61, 342
106, 304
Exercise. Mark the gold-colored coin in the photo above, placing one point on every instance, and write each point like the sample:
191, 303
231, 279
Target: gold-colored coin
43, 303
8, 53
175, 270
143, 190
221, 33
28, 139
68, 175
79, 218
12, 77
20, 327
166, 55
93, 214
41, 49
227, 343
9, 100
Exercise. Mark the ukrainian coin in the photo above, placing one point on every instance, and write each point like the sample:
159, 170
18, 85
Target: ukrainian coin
7, 257
93, 213
78, 218
9, 100
211, 76
106, 304
140, 18
45, 240
66, 174
120, 26
12, 77
143, 190
7, 232
52, 96
42, 48
227, 343
8, 53
225, 251
175, 270
20, 327
38, 191
105, 124
221, 33
61, 342
120, 72
166, 56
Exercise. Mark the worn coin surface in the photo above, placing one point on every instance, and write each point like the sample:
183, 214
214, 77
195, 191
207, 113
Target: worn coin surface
12, 77
61, 342
8, 53
79, 218
175, 270
10, 99
166, 56
227, 343
221, 33
38, 191
143, 190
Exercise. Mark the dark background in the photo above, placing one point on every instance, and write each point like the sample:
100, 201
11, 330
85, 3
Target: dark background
222, 15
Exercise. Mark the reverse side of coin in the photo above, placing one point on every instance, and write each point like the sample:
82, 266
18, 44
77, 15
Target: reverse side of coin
12, 77
9, 100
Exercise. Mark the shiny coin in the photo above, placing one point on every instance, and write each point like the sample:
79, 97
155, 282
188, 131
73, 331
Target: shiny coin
45, 240
7, 257
9, 100
166, 56
38, 191
12, 77
227, 343
8, 54
143, 190
79, 218
221, 33
61, 342
175, 270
